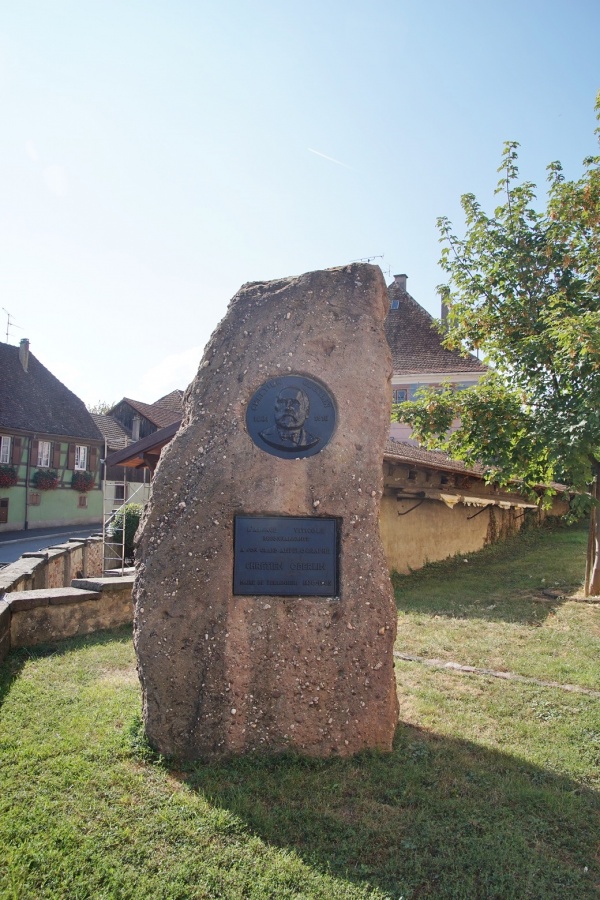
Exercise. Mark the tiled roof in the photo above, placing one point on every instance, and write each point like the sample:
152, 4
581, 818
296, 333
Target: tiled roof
161, 416
113, 431
135, 453
37, 401
173, 401
401, 451
416, 344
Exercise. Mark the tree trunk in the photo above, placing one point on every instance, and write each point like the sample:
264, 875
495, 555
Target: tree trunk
592, 572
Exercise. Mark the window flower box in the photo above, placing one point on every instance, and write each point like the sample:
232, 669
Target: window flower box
8, 476
45, 480
83, 481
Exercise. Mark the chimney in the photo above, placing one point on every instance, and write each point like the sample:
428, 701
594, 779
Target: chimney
135, 431
400, 280
24, 354
445, 314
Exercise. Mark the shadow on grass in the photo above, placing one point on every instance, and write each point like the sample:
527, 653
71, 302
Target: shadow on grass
435, 818
504, 582
528, 608
9, 672
17, 659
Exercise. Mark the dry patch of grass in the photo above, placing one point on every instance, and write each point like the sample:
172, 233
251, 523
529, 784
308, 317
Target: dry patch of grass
119, 676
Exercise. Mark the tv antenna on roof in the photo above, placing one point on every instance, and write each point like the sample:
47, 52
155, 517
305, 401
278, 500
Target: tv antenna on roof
9, 324
368, 259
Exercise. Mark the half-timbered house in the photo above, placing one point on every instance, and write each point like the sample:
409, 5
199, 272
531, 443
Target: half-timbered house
50, 448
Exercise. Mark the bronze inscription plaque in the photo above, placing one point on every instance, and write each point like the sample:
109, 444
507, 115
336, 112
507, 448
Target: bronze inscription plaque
291, 416
285, 556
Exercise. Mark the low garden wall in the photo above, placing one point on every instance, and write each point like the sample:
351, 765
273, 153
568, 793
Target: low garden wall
35, 616
53, 567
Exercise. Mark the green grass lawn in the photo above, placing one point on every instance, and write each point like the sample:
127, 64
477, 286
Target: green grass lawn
488, 609
491, 790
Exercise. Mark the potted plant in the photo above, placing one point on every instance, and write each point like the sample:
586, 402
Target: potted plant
8, 476
45, 479
83, 481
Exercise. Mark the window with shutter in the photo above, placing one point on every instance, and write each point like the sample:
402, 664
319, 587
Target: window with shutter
4, 450
43, 454
80, 458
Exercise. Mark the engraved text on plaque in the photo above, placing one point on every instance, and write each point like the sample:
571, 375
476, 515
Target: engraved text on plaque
285, 556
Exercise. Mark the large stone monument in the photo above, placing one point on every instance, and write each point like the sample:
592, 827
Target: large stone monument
264, 614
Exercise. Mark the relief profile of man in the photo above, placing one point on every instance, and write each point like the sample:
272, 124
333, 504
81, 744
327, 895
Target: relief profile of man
291, 411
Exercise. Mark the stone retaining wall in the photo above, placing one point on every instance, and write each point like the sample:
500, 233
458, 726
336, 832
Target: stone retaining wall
35, 616
53, 567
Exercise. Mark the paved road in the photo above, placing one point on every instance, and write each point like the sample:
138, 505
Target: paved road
14, 543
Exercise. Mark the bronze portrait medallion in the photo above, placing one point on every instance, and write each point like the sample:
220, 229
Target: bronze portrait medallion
291, 416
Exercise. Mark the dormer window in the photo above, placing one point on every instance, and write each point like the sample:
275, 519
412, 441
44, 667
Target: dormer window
395, 304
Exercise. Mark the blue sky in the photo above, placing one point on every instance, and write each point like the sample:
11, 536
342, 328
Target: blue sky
155, 156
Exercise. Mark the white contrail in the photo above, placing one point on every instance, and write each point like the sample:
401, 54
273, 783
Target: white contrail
330, 158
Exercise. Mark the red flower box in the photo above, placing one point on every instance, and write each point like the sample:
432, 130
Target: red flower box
8, 476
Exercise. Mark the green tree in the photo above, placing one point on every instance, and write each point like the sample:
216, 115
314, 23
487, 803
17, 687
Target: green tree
524, 290
100, 407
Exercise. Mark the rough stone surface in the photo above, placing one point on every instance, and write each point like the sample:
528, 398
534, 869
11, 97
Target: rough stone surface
224, 674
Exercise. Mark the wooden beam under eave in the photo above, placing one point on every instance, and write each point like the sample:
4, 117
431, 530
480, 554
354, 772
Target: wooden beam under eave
150, 461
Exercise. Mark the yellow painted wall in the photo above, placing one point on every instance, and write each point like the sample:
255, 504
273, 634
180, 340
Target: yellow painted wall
432, 531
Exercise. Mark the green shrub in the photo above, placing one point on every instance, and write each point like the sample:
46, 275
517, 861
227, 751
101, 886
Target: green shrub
132, 514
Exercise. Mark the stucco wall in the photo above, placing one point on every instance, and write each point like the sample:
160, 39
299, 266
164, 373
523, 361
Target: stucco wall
432, 531
54, 507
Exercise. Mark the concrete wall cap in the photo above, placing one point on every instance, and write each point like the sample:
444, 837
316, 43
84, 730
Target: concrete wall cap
22, 566
101, 584
24, 600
